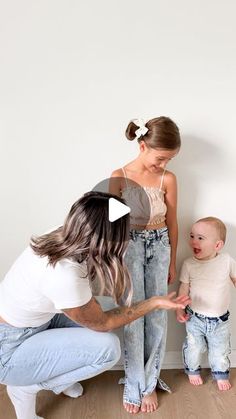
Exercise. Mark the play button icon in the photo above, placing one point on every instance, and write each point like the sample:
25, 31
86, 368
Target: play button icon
116, 209
127, 199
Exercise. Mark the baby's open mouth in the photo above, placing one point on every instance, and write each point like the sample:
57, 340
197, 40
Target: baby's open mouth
196, 251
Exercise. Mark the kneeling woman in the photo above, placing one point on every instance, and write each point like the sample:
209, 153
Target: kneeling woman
53, 332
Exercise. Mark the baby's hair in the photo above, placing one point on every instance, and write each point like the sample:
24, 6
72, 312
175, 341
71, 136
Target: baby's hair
218, 224
162, 133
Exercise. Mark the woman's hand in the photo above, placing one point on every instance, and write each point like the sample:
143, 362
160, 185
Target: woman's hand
171, 302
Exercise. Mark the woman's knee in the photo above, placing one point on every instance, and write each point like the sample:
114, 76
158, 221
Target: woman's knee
113, 349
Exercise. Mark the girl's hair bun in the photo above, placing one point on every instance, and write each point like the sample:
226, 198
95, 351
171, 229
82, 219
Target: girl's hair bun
130, 131
159, 132
138, 129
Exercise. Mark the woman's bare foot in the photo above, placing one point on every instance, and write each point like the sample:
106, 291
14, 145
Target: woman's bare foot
149, 403
223, 384
196, 380
131, 408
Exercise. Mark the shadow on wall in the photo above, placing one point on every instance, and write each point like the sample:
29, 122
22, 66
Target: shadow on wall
230, 246
197, 162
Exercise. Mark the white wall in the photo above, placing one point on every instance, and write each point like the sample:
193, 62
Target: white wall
73, 73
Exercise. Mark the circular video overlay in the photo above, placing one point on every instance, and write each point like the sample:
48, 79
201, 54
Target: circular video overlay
135, 200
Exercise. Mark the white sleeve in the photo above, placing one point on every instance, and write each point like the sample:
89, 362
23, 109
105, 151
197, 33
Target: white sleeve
66, 285
184, 273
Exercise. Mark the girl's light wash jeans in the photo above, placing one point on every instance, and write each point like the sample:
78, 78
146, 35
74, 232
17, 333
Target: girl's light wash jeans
147, 259
54, 355
206, 333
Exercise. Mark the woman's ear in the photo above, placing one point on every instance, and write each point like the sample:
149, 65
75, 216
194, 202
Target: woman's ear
219, 245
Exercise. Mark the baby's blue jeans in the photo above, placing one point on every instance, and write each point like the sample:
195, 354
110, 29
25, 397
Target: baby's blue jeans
148, 259
207, 334
54, 355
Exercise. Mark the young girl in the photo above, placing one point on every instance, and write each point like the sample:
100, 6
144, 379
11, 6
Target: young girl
151, 253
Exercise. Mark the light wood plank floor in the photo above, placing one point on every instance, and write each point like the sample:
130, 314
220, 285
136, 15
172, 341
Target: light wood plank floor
102, 399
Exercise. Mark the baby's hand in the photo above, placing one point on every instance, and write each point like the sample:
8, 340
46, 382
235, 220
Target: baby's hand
181, 316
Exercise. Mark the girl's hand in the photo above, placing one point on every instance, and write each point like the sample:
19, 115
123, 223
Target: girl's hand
171, 302
181, 316
172, 274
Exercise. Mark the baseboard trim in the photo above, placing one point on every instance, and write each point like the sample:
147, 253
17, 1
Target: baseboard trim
173, 360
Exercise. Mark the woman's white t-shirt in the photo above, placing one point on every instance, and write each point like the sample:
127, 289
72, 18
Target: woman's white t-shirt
33, 291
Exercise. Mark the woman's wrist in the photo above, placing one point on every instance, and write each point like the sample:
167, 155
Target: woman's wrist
155, 302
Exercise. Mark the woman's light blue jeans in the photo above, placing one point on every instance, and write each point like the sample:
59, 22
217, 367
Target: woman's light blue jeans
54, 355
207, 334
147, 259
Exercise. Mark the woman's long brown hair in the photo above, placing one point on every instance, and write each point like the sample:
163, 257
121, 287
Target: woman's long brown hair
88, 235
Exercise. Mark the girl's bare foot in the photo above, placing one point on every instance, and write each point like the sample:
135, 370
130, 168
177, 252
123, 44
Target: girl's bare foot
196, 380
131, 408
223, 384
149, 403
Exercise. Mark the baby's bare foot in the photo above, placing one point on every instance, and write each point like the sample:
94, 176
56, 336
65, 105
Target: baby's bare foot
131, 408
149, 403
223, 384
196, 380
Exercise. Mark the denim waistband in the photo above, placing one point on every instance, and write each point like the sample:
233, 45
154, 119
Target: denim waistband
148, 234
224, 316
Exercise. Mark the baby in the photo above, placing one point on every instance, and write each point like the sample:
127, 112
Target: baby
206, 277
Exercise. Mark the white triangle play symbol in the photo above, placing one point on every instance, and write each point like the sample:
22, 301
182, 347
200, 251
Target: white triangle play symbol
116, 209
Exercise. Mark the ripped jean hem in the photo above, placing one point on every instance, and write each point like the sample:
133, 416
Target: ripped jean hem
158, 383
132, 401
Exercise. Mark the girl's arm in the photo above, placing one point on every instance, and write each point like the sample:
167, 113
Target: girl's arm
115, 182
171, 220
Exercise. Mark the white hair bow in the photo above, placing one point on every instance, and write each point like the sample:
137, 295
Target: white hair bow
142, 130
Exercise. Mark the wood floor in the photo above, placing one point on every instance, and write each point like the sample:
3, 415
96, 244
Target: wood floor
102, 399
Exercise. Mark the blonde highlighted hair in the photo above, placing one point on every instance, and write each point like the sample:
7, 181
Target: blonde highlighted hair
88, 235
